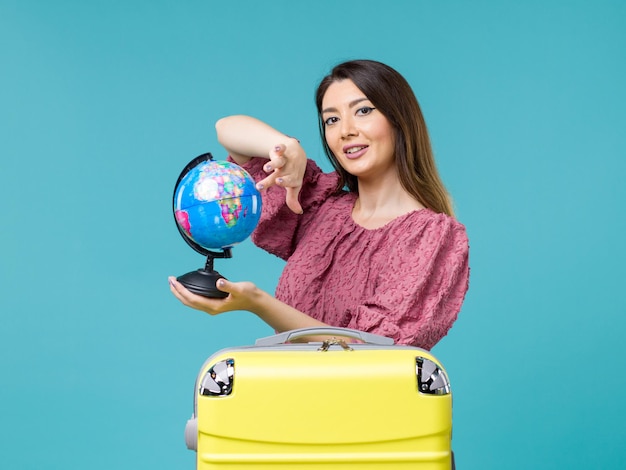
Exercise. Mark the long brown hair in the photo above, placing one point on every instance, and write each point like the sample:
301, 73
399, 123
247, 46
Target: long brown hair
391, 94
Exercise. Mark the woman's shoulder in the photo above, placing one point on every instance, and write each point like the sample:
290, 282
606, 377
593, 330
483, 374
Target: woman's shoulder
427, 224
429, 217
436, 219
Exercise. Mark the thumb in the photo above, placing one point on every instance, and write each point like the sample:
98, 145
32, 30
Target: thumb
292, 200
223, 284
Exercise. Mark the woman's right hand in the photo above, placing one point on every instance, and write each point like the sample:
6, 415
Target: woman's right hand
286, 167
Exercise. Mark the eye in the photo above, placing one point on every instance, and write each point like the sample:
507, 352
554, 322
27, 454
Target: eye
365, 110
331, 120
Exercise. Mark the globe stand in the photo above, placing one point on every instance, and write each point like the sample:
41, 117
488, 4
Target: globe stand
203, 281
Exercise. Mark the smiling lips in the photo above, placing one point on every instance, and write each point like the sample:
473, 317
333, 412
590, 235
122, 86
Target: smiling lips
354, 151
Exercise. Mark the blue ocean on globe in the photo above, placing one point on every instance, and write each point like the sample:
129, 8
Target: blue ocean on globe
217, 204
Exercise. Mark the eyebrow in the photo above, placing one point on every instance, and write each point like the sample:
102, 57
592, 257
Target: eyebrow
350, 104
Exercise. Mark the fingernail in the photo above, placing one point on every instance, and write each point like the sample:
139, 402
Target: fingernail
220, 283
259, 186
277, 148
268, 168
279, 180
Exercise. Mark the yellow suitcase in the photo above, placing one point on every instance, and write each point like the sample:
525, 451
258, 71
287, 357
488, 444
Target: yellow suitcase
322, 405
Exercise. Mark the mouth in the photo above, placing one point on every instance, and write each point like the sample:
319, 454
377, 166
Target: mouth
354, 151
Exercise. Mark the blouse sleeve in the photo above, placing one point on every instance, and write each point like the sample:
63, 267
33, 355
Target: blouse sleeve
279, 228
418, 299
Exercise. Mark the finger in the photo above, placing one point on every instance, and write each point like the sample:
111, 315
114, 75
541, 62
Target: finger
266, 182
278, 150
276, 162
277, 158
288, 181
179, 291
175, 292
224, 285
192, 300
292, 200
175, 286
182, 293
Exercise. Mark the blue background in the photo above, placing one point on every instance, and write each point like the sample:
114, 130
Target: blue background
102, 103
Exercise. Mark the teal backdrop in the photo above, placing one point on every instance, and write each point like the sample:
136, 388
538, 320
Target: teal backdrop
102, 103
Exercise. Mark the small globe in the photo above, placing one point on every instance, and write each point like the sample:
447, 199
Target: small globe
216, 204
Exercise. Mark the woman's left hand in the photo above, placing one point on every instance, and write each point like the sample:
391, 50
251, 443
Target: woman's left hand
246, 296
241, 296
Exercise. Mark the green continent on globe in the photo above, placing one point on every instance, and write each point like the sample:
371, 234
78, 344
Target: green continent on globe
231, 210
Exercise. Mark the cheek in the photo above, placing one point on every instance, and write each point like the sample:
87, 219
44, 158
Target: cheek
331, 138
385, 135
381, 130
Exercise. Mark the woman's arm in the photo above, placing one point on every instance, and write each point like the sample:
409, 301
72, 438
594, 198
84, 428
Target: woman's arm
246, 296
245, 137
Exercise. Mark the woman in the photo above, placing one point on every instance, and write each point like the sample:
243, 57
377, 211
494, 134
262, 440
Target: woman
372, 246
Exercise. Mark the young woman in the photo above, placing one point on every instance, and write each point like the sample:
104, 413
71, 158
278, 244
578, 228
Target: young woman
372, 246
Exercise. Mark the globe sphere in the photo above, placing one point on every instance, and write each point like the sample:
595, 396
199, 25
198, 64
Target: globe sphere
216, 204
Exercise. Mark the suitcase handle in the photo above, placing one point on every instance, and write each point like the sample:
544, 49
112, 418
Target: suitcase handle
287, 336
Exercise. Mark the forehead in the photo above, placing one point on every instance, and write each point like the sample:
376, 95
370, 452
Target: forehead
341, 93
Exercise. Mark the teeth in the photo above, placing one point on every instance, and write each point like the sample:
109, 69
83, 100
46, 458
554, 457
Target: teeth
354, 149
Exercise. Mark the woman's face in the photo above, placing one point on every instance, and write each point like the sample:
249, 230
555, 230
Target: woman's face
360, 136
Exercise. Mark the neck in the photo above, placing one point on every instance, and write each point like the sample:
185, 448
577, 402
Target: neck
380, 202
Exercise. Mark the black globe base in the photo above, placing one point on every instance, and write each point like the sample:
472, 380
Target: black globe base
203, 282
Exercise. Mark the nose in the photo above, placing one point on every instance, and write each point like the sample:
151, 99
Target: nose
348, 128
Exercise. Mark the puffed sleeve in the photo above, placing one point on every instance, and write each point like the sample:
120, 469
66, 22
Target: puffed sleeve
420, 289
279, 228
